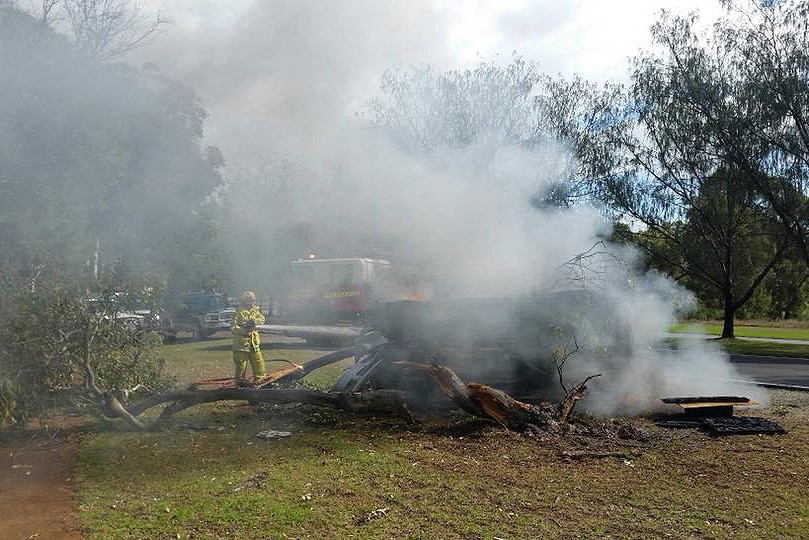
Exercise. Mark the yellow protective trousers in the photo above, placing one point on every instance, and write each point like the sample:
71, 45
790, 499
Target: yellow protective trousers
240, 360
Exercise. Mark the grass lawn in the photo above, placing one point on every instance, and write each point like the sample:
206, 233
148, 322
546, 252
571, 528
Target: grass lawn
337, 476
212, 358
757, 348
757, 329
765, 348
742, 330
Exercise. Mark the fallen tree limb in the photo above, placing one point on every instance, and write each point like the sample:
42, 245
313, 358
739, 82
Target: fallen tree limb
488, 402
511, 413
113, 407
384, 401
381, 401
276, 396
137, 408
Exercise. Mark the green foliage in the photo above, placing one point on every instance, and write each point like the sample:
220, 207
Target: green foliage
691, 169
787, 289
766, 49
97, 156
47, 335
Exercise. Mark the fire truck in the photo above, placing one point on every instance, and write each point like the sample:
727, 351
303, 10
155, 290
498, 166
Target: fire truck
343, 290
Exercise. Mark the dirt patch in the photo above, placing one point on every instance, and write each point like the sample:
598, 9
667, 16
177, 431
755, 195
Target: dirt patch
36, 485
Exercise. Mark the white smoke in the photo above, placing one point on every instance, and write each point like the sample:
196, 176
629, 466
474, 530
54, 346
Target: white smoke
466, 215
284, 80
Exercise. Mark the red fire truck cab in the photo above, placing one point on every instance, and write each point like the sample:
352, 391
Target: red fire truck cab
344, 290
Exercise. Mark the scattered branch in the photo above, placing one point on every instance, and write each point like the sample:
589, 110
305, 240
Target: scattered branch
575, 393
581, 454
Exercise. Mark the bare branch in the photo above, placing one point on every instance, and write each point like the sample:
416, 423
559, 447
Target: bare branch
560, 358
46, 11
109, 28
575, 393
573, 396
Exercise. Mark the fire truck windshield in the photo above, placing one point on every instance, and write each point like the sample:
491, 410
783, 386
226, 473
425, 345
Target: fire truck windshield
322, 274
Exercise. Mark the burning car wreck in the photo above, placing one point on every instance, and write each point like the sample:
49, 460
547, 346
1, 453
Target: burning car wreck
507, 343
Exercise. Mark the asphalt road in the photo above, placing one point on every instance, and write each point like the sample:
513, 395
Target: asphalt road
772, 370
766, 369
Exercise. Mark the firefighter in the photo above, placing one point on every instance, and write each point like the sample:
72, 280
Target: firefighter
246, 341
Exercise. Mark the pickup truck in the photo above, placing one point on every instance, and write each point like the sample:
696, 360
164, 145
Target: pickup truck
202, 314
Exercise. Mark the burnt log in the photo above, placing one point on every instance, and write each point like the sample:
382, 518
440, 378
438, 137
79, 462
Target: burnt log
487, 402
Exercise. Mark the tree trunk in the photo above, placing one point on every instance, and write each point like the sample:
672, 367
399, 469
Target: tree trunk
730, 314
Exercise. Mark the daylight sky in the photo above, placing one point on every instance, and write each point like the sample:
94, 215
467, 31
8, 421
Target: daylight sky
268, 67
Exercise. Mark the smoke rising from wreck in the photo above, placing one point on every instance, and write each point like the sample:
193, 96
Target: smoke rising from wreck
311, 175
464, 216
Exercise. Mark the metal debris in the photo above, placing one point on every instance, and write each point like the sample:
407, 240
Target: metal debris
741, 425
715, 415
273, 434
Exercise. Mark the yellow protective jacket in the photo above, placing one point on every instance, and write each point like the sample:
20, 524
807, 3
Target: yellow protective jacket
241, 341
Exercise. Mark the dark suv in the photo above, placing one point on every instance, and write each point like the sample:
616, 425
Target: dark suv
200, 313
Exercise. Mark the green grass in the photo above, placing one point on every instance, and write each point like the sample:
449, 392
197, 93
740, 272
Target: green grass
741, 346
455, 478
741, 330
325, 482
765, 348
757, 348
212, 358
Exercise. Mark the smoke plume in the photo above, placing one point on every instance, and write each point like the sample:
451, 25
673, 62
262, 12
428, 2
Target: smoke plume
306, 173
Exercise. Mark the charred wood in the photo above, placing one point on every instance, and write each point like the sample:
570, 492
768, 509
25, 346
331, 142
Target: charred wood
485, 401
573, 396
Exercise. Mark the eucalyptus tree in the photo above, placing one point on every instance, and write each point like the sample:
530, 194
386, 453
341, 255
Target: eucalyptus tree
92, 155
766, 45
687, 171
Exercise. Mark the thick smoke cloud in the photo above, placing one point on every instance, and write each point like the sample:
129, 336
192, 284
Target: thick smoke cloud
273, 73
283, 81
284, 74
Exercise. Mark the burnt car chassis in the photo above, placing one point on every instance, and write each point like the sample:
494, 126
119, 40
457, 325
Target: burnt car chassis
506, 343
